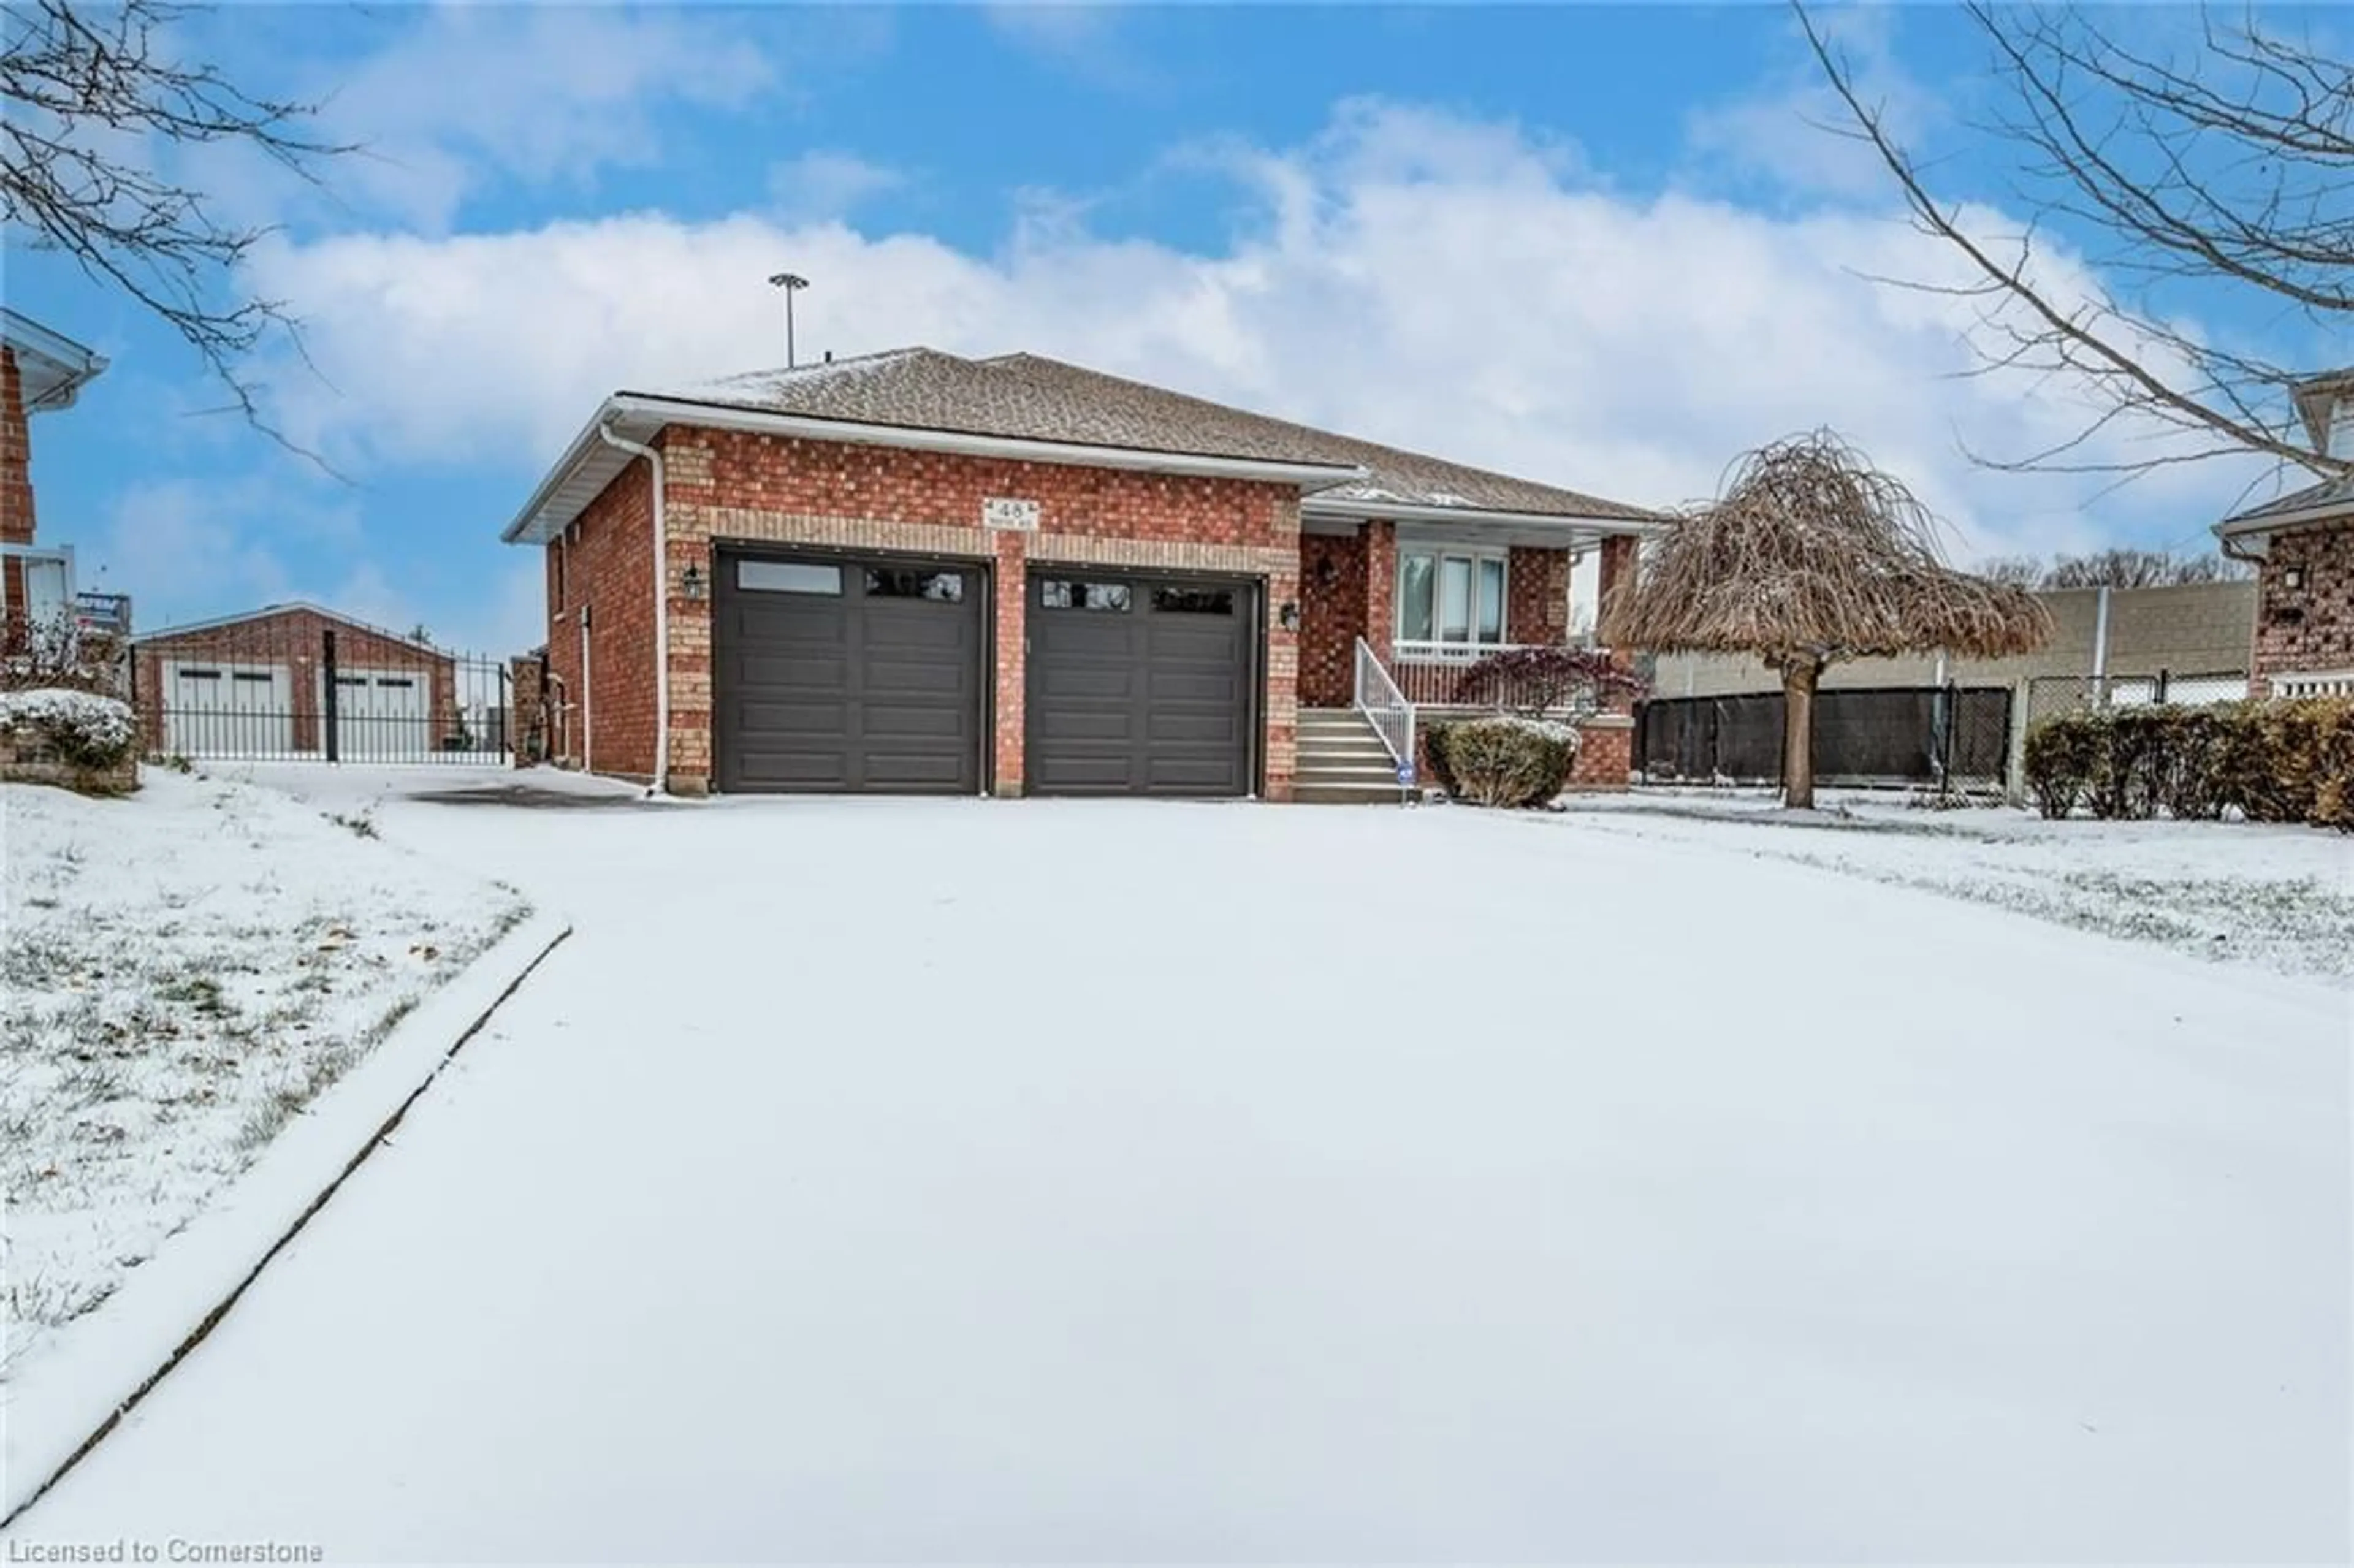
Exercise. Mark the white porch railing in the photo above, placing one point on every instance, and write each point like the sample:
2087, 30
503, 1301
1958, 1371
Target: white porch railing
1384, 707
2314, 683
1427, 672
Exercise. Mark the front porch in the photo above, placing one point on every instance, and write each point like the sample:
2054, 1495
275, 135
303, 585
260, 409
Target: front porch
1395, 617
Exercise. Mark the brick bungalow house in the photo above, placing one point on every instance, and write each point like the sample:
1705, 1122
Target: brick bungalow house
917, 572
40, 371
2303, 546
259, 684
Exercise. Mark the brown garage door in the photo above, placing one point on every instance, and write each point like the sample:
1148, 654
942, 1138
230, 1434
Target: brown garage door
1139, 686
847, 674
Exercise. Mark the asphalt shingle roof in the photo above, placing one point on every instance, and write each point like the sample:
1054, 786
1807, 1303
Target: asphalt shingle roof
2329, 493
1026, 397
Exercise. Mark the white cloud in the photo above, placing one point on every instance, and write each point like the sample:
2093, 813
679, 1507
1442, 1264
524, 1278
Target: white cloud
1440, 285
1086, 40
822, 184
1794, 130
469, 95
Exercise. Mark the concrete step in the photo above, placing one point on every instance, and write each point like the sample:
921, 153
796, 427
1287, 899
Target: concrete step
1305, 793
1352, 777
1349, 751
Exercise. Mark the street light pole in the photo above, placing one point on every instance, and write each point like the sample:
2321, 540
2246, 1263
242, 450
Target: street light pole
791, 283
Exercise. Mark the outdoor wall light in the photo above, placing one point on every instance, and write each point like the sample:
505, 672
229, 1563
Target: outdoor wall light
690, 581
1288, 616
2292, 577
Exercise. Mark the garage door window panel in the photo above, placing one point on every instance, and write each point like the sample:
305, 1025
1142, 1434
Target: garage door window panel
1059, 593
937, 587
1193, 601
788, 576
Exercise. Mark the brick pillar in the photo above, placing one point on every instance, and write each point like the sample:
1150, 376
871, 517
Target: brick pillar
16, 494
1381, 589
1282, 723
16, 458
528, 727
688, 665
1012, 577
1618, 565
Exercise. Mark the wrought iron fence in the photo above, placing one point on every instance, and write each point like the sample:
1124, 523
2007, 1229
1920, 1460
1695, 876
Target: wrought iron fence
1942, 736
303, 686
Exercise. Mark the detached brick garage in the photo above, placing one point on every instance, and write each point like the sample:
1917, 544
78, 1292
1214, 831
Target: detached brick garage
257, 685
915, 572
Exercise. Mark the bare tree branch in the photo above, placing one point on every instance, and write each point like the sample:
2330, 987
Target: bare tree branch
2234, 171
93, 105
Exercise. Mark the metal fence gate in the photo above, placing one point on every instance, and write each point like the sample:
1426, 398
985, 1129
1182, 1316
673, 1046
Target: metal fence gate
302, 686
1946, 736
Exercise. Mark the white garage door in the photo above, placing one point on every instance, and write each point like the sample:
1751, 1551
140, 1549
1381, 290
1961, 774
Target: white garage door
218, 709
384, 715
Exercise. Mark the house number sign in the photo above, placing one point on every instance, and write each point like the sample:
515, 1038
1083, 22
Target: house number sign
1005, 511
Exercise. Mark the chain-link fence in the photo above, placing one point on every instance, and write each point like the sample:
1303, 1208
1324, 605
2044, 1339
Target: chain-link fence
1941, 737
2048, 695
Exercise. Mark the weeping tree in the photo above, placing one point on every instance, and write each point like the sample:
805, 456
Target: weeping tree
1812, 556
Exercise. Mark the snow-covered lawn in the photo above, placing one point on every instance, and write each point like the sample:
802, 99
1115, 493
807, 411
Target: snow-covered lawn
915, 1182
185, 969
2276, 897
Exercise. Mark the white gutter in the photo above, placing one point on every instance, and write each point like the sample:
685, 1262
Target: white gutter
587, 704
1420, 512
662, 606
653, 413
2271, 522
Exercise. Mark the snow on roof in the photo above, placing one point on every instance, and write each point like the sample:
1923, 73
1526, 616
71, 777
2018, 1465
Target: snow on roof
1030, 397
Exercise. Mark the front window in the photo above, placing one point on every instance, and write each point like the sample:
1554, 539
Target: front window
1455, 598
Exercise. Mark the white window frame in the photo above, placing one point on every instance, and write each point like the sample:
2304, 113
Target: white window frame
1441, 553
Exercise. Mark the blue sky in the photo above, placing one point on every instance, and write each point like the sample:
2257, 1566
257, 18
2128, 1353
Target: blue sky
1599, 246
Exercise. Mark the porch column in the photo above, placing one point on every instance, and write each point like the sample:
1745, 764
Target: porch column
1012, 578
1381, 589
1617, 566
16, 488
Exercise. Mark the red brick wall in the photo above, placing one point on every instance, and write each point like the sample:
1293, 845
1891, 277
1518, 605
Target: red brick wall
2309, 628
16, 460
727, 486
1331, 618
296, 638
1381, 587
1536, 596
607, 719
1606, 756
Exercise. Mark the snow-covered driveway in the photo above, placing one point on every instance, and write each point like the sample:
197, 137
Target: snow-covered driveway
1047, 1181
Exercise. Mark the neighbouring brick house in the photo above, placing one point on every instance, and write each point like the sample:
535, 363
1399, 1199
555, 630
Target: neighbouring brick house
260, 684
913, 571
2303, 544
40, 371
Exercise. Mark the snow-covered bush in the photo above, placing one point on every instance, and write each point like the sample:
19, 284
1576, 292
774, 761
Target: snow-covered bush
81, 730
1502, 760
2272, 761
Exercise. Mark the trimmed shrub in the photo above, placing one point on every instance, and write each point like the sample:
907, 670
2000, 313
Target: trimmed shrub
2058, 762
79, 728
1502, 761
1433, 746
2274, 762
